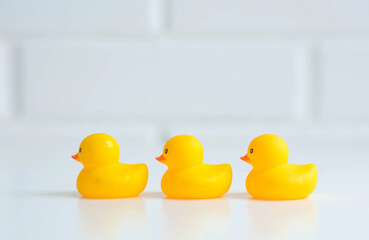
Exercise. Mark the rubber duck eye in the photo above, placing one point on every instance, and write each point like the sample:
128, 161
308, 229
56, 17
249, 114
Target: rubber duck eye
166, 151
80, 150
251, 150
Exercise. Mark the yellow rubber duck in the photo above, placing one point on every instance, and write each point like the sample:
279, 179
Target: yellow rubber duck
272, 177
103, 176
187, 176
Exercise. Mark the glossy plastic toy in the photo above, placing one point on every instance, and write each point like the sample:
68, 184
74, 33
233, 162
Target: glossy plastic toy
103, 176
272, 177
187, 176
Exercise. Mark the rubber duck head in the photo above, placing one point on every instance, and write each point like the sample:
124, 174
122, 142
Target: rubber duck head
182, 151
97, 150
267, 151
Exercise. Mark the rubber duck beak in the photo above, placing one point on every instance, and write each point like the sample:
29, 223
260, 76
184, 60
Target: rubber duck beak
160, 158
75, 157
246, 159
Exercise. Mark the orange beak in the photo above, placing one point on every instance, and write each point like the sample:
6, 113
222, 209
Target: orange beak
246, 159
160, 158
75, 157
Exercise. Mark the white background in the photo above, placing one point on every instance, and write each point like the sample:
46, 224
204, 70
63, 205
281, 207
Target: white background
146, 70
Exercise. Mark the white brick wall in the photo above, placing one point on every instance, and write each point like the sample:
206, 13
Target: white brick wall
162, 78
277, 16
185, 62
55, 17
345, 80
6, 77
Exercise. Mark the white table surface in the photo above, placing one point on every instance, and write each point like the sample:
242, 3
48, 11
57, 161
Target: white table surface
39, 200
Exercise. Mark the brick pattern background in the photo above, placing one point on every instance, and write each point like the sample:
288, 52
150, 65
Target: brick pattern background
219, 66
